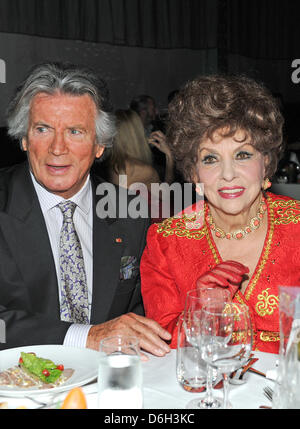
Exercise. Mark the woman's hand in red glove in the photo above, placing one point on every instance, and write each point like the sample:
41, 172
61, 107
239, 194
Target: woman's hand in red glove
226, 274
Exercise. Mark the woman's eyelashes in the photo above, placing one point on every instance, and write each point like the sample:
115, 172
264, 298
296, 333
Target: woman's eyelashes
209, 159
243, 154
212, 158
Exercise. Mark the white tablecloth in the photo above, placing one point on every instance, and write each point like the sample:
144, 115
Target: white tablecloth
162, 391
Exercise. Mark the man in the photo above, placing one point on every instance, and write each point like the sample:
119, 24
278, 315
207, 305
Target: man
67, 276
145, 107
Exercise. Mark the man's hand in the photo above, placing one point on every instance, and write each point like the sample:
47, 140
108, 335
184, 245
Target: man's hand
151, 335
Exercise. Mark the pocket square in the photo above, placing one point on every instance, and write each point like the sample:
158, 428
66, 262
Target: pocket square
129, 268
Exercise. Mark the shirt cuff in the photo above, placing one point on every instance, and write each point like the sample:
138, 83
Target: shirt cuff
76, 335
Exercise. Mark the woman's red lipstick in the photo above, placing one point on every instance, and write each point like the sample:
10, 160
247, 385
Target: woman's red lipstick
231, 192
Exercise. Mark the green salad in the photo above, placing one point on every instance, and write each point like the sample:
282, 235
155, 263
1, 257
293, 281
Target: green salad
46, 370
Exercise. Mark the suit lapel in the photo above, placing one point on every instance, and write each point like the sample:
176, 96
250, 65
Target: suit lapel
24, 224
107, 253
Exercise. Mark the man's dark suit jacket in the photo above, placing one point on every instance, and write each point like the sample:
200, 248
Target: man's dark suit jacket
29, 301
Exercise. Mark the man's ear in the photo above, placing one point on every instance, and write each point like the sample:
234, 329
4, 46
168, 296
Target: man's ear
24, 145
99, 151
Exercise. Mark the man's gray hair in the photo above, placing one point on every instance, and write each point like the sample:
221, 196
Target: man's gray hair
62, 78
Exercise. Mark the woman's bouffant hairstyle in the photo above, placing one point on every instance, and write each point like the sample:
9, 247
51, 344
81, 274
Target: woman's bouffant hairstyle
228, 103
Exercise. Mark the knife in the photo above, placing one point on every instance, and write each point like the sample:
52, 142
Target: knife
248, 367
257, 372
249, 360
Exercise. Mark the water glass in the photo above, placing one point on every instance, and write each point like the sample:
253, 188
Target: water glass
287, 389
190, 368
287, 392
120, 373
289, 316
226, 338
196, 299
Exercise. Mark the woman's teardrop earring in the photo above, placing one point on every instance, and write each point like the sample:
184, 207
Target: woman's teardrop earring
267, 184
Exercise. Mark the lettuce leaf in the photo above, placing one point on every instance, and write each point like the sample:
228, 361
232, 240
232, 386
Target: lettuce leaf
36, 365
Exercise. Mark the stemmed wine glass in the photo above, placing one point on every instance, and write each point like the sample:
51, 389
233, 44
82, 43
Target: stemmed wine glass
196, 299
225, 338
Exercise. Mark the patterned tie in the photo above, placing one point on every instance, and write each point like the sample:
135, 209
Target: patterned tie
74, 295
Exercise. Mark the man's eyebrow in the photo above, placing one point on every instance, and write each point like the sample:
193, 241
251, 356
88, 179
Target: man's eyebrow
41, 124
80, 126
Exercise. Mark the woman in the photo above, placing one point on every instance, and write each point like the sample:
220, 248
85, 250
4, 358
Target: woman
226, 132
131, 154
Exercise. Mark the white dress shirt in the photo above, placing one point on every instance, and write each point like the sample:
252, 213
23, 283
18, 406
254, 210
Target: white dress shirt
83, 220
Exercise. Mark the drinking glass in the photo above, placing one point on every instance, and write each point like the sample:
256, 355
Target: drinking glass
286, 393
120, 373
190, 368
197, 299
225, 338
287, 389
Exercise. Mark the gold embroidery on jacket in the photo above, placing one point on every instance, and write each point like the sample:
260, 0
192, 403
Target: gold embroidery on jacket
211, 246
269, 336
265, 256
266, 303
179, 228
287, 211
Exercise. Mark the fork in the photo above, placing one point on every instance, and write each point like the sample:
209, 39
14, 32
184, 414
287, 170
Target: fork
268, 392
41, 404
54, 398
46, 403
36, 401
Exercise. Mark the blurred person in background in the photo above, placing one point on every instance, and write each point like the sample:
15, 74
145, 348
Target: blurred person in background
155, 126
131, 153
145, 106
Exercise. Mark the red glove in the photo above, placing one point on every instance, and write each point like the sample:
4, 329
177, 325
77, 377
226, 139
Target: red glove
226, 274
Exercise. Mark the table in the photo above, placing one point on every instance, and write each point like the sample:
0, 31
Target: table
162, 391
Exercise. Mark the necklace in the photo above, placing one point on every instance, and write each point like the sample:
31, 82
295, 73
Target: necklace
254, 223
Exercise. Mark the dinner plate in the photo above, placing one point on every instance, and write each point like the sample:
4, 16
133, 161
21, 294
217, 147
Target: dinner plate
84, 362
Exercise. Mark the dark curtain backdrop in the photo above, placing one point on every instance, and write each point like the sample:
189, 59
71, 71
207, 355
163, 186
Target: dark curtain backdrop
266, 29
162, 24
262, 40
153, 46
263, 29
